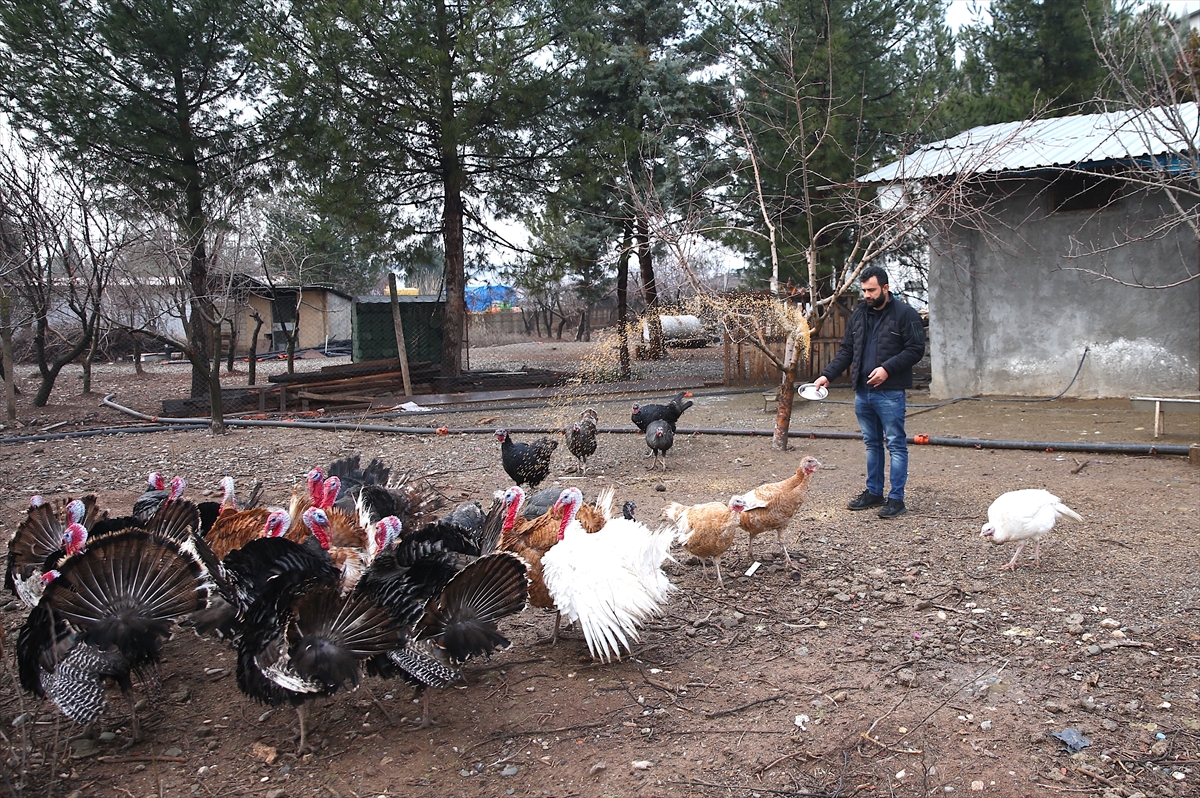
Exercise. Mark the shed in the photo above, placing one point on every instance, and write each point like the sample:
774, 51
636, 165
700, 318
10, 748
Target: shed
374, 335
321, 313
1015, 307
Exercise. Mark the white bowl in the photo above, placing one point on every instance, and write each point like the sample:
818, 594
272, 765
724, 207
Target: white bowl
811, 392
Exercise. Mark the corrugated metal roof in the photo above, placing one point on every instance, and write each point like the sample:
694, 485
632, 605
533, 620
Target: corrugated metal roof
1064, 142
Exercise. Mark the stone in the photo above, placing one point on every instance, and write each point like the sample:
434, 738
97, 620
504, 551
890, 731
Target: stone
511, 770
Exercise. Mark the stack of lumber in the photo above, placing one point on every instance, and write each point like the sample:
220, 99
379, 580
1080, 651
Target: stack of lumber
355, 386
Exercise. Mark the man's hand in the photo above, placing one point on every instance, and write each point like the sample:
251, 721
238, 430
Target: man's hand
877, 377
821, 381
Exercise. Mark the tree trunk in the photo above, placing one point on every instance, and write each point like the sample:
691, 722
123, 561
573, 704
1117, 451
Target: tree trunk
137, 354
6, 355
657, 347
793, 357
452, 211
292, 335
623, 304
87, 368
252, 361
232, 348
217, 424
50, 369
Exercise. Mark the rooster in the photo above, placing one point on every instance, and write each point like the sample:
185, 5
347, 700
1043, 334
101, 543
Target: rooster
771, 506
526, 463
660, 436
643, 415
706, 530
581, 438
1023, 515
106, 613
611, 581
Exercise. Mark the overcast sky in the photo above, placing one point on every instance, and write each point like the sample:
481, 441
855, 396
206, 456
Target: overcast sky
958, 12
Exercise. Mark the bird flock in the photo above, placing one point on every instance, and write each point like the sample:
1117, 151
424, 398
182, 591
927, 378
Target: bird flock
358, 575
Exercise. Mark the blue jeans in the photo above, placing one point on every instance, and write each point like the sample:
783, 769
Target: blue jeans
881, 418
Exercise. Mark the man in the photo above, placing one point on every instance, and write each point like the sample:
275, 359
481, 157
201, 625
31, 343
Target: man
884, 339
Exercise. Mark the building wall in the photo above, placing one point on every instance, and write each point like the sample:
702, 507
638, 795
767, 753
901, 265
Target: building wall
1007, 318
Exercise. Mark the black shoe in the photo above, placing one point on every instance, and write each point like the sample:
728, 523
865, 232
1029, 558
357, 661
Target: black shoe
866, 500
892, 508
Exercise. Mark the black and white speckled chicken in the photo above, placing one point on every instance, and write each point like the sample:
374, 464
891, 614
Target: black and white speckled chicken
526, 463
581, 438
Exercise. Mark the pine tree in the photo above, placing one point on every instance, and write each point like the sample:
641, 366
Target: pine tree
158, 98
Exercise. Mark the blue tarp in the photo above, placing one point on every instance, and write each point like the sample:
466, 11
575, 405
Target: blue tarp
483, 297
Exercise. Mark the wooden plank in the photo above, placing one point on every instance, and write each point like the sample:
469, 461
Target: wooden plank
398, 325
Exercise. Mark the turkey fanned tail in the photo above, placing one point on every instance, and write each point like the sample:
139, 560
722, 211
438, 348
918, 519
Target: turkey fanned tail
462, 618
126, 592
330, 636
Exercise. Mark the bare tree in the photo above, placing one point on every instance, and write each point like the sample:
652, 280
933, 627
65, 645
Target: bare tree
1154, 72
157, 298
878, 220
60, 249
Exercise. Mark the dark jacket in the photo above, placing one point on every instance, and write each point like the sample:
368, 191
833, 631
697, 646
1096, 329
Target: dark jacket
900, 343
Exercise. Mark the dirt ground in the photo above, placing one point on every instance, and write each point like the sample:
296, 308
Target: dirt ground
897, 660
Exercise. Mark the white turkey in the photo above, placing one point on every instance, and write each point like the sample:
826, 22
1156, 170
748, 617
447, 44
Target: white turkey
610, 581
1024, 515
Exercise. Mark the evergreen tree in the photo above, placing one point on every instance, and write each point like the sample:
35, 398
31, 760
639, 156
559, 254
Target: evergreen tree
1034, 57
826, 91
641, 106
158, 98
418, 116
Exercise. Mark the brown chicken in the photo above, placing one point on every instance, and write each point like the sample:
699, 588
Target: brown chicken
771, 506
706, 530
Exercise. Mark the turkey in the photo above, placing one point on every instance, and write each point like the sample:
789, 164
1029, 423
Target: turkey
581, 438
526, 463
304, 636
706, 530
771, 506
106, 612
41, 536
240, 575
210, 511
610, 581
1024, 515
446, 588
369, 491
660, 436
157, 494
643, 415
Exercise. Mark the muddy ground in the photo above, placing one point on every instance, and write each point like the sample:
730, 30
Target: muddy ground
897, 660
